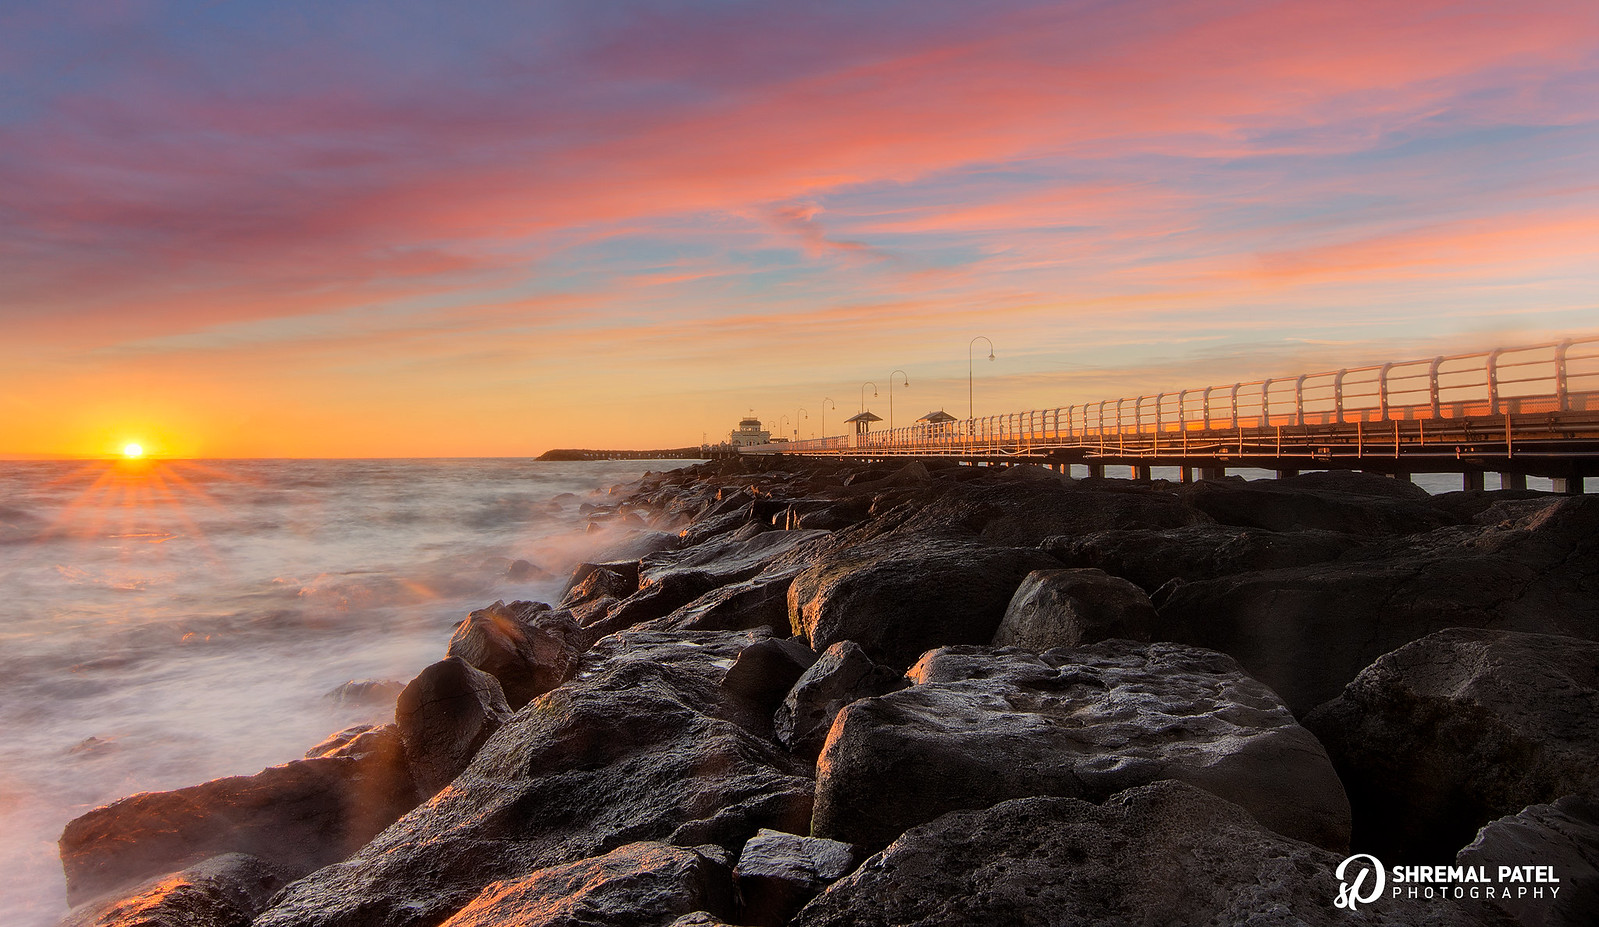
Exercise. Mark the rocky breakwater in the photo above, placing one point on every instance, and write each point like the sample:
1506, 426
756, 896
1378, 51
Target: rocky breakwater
817, 693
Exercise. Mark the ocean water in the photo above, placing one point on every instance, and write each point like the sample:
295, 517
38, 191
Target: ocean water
167, 622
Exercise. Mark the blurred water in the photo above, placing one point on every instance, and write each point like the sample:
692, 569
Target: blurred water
164, 623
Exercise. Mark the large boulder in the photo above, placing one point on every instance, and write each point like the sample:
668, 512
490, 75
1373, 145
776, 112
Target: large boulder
529, 651
983, 725
777, 873
645, 884
842, 674
898, 596
446, 713
1307, 631
1165, 853
224, 891
296, 817
1345, 502
631, 750
1563, 836
727, 560
1153, 557
1068, 608
1461, 727
1012, 510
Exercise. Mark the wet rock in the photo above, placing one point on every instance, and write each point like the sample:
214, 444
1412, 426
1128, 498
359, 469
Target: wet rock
1445, 734
643, 884
1307, 631
599, 582
1151, 558
1165, 853
982, 725
1563, 835
700, 919
726, 561
842, 674
760, 602
297, 817
444, 716
528, 652
762, 675
899, 596
366, 692
224, 891
1067, 608
629, 751
1023, 512
777, 873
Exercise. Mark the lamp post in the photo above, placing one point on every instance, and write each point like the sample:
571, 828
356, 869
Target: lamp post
891, 395
782, 425
863, 393
825, 401
799, 414
971, 406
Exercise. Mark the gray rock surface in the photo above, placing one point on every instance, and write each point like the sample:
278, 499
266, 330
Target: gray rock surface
643, 884
777, 873
1340, 501
1165, 853
1153, 557
1443, 735
899, 596
631, 750
1072, 607
224, 891
296, 817
842, 674
445, 715
1563, 835
726, 560
983, 725
528, 650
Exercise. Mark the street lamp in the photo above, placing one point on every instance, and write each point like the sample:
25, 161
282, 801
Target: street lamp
782, 425
891, 395
971, 407
799, 414
825, 401
863, 393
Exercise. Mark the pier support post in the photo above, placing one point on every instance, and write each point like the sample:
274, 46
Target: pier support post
1187, 474
1212, 473
1096, 471
1471, 479
1285, 474
1141, 472
1512, 481
1569, 485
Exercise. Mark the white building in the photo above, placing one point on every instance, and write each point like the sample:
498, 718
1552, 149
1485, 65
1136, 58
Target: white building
749, 434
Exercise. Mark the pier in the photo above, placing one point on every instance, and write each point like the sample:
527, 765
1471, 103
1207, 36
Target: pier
1528, 410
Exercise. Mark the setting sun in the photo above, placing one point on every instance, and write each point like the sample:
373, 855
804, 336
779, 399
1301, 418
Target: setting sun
132, 450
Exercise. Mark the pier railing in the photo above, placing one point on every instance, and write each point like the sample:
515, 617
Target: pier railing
1529, 384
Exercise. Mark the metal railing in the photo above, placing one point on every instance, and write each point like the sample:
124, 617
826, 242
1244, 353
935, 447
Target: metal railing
1553, 378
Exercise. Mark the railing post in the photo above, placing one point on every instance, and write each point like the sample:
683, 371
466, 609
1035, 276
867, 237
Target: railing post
1235, 404
1265, 403
1207, 408
1102, 417
1182, 413
1432, 386
1299, 400
1382, 390
1160, 398
1561, 396
1493, 380
1338, 397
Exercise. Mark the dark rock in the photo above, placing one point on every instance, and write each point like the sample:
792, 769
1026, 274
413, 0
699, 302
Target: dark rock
982, 725
1165, 853
1307, 632
762, 675
366, 692
598, 582
777, 873
898, 596
1348, 503
1068, 608
444, 716
224, 891
761, 602
714, 526
1152, 558
1014, 511
630, 750
700, 919
1565, 836
657, 600
641, 884
727, 561
1447, 733
523, 570
842, 674
529, 653
297, 817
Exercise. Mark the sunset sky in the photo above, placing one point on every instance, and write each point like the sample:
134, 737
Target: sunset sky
489, 229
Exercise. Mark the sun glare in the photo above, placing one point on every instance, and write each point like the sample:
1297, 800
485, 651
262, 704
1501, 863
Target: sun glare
132, 451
